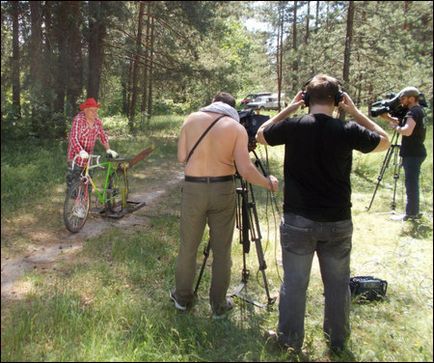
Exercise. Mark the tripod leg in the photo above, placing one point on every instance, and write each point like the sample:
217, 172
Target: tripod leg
251, 223
257, 237
262, 268
382, 171
397, 169
206, 254
393, 145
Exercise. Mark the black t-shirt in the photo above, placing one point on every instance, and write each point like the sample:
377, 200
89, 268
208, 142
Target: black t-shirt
317, 168
413, 145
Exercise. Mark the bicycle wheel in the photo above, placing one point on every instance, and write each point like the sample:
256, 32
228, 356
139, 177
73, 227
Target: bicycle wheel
76, 206
117, 192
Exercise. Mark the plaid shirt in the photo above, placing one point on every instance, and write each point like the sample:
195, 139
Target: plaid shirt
83, 137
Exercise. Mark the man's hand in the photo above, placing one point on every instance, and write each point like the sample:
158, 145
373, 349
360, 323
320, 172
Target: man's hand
291, 108
84, 154
112, 153
393, 122
348, 105
274, 183
297, 100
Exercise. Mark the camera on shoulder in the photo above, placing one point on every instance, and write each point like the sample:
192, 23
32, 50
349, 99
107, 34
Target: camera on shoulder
393, 106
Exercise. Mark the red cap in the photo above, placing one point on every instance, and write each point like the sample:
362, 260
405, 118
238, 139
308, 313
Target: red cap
90, 102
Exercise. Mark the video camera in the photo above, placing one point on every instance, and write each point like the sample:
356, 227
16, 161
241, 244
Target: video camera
251, 122
392, 106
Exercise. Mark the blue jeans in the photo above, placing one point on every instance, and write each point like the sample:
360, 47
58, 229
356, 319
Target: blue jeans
300, 238
411, 166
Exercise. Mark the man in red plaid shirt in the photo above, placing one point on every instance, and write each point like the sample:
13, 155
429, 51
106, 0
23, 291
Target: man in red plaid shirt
86, 128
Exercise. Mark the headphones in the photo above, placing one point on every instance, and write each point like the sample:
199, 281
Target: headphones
338, 97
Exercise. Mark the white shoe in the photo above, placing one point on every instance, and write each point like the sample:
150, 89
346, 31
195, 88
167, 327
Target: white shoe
177, 304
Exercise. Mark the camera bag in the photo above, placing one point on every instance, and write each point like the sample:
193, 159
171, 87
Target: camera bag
368, 287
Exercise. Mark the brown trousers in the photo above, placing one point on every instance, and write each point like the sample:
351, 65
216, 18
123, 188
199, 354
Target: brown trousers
213, 204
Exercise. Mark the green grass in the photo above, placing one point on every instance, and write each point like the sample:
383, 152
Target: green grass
110, 303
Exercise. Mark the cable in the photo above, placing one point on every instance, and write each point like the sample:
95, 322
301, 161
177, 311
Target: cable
274, 209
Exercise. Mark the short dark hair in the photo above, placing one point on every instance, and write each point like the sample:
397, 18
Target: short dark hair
225, 98
322, 89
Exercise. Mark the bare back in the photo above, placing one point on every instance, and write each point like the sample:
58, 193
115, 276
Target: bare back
214, 156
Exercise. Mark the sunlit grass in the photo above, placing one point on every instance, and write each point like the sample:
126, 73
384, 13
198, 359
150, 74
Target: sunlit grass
111, 302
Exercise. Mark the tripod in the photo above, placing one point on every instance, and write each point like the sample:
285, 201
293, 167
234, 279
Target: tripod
392, 152
248, 225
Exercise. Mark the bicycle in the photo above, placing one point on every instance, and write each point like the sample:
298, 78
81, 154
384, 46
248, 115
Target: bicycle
112, 195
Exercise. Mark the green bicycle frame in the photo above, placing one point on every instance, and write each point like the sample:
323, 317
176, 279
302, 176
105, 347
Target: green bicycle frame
101, 194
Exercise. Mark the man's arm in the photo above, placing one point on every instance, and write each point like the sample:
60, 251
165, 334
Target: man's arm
246, 168
405, 130
75, 131
182, 145
282, 115
348, 106
408, 128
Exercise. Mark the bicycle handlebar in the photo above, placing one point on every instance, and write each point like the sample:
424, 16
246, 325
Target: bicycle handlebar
88, 160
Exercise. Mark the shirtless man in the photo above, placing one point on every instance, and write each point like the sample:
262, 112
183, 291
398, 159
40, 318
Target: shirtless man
208, 196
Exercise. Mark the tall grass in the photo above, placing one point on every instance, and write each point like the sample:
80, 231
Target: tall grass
111, 302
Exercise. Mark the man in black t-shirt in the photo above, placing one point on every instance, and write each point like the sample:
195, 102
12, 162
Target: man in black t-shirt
413, 150
317, 203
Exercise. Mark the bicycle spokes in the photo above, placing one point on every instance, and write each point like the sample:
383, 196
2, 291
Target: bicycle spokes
76, 207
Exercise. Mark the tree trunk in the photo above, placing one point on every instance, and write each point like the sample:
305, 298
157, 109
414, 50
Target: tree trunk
97, 29
406, 7
49, 49
348, 43
60, 76
294, 47
124, 98
136, 68
294, 28
279, 52
74, 84
151, 66
128, 85
317, 16
145, 81
37, 93
15, 69
306, 38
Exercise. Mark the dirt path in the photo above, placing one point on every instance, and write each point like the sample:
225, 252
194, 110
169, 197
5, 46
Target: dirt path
64, 245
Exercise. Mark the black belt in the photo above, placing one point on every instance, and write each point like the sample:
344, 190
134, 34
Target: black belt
208, 179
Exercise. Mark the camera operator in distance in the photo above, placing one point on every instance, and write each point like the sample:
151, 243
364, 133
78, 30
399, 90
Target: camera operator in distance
209, 195
317, 203
412, 151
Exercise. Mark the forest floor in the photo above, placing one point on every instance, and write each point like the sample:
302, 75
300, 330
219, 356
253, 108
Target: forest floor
102, 294
47, 245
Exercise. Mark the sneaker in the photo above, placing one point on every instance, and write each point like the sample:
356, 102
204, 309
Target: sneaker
342, 354
411, 217
406, 217
397, 217
223, 310
272, 337
177, 304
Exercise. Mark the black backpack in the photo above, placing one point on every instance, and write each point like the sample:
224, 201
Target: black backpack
368, 287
